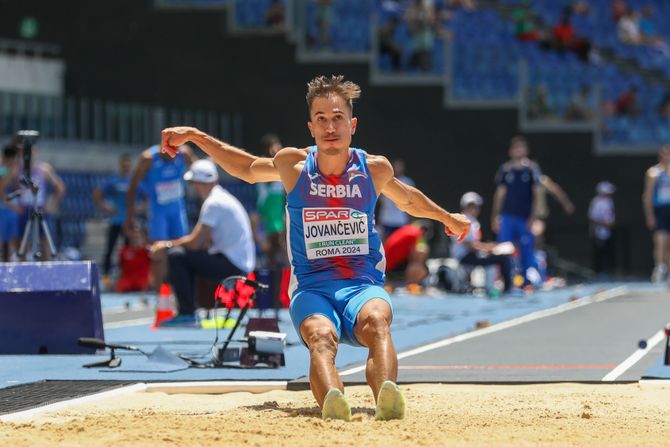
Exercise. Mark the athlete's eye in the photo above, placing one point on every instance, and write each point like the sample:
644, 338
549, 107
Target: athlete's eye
321, 119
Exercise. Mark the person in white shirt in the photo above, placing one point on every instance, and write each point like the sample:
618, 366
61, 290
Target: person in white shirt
602, 218
220, 245
473, 252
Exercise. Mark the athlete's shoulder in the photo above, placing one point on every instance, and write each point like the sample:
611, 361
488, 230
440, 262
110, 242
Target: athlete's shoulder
290, 155
654, 171
379, 166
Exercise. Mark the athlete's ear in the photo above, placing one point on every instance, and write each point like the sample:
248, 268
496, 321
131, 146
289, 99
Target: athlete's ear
311, 128
354, 123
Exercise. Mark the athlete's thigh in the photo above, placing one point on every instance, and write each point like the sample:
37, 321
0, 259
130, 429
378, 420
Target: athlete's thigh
306, 304
362, 301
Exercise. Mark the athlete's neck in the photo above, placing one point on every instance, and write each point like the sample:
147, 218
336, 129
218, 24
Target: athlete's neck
332, 161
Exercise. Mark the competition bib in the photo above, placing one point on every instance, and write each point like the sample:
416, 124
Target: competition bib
167, 192
335, 232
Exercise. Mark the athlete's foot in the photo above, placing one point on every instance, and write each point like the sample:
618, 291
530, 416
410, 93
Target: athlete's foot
390, 402
335, 406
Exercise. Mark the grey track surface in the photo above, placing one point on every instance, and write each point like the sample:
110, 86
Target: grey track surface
579, 345
33, 395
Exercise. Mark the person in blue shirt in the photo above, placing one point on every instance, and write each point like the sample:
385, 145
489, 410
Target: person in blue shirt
515, 205
111, 200
656, 203
162, 177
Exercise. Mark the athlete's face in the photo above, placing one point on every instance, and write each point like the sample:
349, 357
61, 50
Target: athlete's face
125, 163
518, 151
331, 124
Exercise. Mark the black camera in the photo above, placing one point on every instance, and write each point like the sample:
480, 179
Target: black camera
25, 139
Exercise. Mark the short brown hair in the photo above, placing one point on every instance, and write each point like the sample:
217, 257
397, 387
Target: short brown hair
323, 86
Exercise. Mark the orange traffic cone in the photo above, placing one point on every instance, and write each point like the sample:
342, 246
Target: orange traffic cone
164, 309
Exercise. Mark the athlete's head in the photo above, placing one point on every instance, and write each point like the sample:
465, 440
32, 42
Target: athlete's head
125, 163
270, 144
664, 155
330, 101
518, 148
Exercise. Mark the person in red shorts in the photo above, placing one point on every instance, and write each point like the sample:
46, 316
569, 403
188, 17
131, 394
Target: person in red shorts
135, 264
406, 252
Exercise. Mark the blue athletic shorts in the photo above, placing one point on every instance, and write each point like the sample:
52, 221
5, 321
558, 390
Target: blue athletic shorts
662, 214
167, 224
339, 301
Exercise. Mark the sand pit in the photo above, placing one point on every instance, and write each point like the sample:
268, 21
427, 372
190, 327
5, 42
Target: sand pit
463, 415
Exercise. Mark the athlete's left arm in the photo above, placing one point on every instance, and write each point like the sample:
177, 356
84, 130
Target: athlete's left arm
413, 201
557, 192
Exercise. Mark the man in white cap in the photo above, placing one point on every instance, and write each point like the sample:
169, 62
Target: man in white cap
221, 244
601, 218
473, 252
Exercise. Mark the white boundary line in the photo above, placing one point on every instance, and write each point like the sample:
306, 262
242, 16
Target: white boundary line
589, 299
29, 414
634, 357
127, 323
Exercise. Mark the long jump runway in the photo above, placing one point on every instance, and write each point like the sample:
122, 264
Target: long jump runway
583, 341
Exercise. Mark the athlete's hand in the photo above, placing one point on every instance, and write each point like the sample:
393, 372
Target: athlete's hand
457, 225
173, 137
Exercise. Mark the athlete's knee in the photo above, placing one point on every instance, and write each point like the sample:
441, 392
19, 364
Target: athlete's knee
321, 340
375, 325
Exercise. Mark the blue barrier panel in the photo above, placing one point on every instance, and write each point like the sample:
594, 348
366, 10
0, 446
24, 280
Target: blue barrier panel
46, 306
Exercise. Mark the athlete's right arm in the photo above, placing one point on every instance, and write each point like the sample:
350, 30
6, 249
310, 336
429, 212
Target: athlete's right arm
649, 184
138, 174
234, 161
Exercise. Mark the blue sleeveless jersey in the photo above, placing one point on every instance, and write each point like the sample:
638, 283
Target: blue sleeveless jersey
331, 226
164, 182
662, 190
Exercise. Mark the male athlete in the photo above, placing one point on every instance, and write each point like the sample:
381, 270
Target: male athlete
656, 203
336, 255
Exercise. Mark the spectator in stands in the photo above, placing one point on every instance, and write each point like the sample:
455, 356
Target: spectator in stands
515, 206
134, 263
619, 10
656, 203
601, 219
526, 30
9, 218
664, 106
164, 187
629, 32
473, 252
565, 38
46, 180
580, 108
111, 200
407, 251
627, 104
324, 19
390, 216
387, 44
421, 21
220, 245
274, 14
